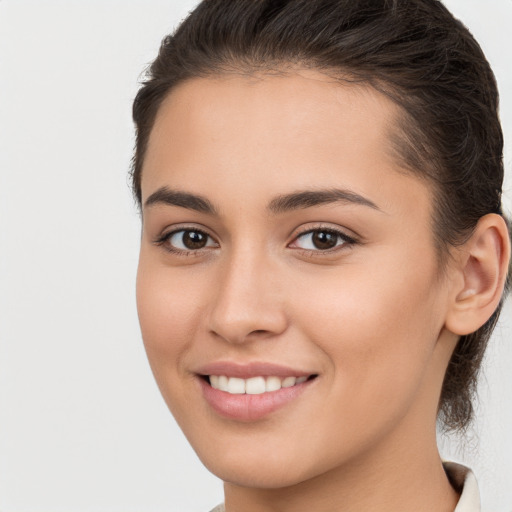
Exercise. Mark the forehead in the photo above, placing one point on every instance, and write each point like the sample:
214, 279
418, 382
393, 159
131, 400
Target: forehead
305, 104
294, 130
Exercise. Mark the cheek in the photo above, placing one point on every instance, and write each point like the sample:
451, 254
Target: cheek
375, 322
169, 315
169, 309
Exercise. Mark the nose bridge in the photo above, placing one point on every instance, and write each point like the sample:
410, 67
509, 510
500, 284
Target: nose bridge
247, 303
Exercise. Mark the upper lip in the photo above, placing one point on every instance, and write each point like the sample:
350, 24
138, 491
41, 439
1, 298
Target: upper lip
251, 369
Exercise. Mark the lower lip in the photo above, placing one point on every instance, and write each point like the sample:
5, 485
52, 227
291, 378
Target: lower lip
246, 407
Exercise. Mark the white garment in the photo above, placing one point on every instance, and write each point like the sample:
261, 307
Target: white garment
460, 477
463, 479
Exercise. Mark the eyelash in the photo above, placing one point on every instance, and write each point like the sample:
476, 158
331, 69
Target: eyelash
164, 241
346, 241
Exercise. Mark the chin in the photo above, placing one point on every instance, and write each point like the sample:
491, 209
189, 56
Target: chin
265, 469
260, 476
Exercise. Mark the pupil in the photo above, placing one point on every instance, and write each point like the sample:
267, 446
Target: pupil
324, 240
194, 240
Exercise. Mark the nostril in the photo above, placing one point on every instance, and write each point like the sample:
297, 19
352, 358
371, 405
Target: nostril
237, 323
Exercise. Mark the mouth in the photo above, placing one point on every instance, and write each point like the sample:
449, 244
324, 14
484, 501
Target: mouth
252, 392
254, 385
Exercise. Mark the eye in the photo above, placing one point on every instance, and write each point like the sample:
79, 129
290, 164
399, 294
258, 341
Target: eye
185, 240
321, 239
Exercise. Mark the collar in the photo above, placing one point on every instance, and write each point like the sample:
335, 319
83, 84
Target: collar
464, 481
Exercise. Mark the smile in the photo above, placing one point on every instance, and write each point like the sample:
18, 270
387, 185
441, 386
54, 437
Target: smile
252, 392
254, 385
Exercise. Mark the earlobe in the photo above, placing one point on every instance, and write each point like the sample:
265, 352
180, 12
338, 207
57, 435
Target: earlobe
483, 264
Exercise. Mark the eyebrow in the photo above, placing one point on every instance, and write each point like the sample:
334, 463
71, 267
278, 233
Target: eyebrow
310, 198
184, 199
280, 204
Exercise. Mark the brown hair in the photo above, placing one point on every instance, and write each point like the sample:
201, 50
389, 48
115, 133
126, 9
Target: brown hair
415, 52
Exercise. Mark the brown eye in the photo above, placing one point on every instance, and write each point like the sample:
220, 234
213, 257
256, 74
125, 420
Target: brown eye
322, 240
194, 239
189, 240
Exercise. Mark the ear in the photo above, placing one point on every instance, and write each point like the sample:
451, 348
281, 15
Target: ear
482, 266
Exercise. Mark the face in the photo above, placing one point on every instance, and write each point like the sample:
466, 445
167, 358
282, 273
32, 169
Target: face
288, 287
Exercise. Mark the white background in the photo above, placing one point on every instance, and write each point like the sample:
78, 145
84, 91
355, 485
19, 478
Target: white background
82, 426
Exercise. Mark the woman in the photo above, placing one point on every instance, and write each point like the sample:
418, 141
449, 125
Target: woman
324, 253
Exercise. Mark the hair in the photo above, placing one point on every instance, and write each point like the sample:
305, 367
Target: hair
413, 51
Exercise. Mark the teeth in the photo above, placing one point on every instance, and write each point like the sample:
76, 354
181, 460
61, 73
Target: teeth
288, 382
254, 385
273, 384
223, 383
236, 386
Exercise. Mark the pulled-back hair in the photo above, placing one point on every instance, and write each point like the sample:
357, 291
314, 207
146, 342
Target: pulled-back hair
413, 51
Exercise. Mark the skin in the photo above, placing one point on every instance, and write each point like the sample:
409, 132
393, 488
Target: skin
369, 318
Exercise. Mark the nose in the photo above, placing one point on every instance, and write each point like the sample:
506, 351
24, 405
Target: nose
247, 304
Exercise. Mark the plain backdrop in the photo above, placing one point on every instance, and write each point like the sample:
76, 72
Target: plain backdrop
82, 425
